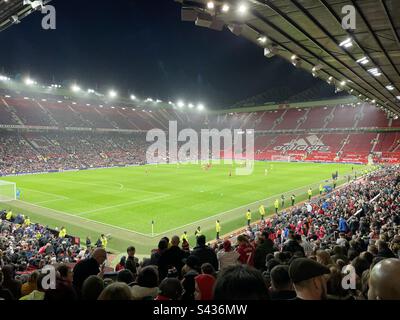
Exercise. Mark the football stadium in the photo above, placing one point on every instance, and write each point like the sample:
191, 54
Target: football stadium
244, 150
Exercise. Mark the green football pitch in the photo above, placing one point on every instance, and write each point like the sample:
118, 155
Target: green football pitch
123, 202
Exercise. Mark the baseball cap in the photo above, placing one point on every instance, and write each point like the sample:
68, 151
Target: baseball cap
303, 269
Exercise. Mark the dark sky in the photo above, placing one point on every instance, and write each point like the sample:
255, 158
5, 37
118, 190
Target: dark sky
143, 47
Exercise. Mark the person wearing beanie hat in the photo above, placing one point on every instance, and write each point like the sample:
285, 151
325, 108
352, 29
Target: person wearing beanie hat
309, 279
226, 256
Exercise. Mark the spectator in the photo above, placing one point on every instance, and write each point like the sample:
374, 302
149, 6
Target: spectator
227, 256
30, 285
264, 247
281, 285
125, 276
39, 293
9, 281
88, 267
170, 289
245, 250
240, 282
155, 256
92, 288
4, 292
64, 290
132, 263
204, 285
116, 291
205, 253
171, 258
309, 279
384, 281
121, 265
146, 287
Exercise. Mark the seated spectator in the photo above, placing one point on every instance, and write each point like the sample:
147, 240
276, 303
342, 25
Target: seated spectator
227, 256
116, 291
383, 250
204, 253
292, 245
324, 258
309, 279
64, 289
281, 285
92, 288
384, 280
204, 285
39, 293
146, 287
5, 294
9, 281
126, 276
240, 282
170, 289
30, 285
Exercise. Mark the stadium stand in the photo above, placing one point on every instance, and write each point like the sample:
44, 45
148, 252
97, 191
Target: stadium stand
354, 228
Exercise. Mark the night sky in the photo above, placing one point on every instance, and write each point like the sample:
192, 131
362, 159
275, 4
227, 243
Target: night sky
142, 47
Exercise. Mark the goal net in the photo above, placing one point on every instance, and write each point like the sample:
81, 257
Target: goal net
7, 191
281, 158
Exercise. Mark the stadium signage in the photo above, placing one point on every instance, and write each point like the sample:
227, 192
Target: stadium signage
310, 143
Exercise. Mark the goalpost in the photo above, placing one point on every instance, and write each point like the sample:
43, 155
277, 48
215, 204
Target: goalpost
8, 191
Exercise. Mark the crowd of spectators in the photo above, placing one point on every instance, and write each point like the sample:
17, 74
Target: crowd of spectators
344, 245
54, 152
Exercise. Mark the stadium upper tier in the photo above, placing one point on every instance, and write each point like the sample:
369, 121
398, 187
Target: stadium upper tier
56, 112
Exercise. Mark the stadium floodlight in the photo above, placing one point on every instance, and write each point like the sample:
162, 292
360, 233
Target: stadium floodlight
398, 97
262, 39
200, 107
158, 101
210, 5
330, 79
170, 103
8, 191
375, 72
270, 51
4, 78
90, 91
225, 7
191, 105
373, 101
29, 82
75, 88
242, 8
59, 101
180, 104
390, 87
346, 43
44, 100
363, 60
343, 83
133, 97
295, 60
112, 94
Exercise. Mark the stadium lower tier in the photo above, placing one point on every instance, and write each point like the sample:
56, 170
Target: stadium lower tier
40, 152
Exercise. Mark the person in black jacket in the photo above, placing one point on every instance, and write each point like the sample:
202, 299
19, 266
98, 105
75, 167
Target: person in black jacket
293, 244
264, 247
88, 267
205, 253
132, 263
171, 258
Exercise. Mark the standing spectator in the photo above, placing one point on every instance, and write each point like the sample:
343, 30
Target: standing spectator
92, 288
4, 292
39, 293
204, 284
264, 247
204, 253
116, 291
171, 258
170, 289
156, 255
227, 256
30, 285
88, 267
64, 289
121, 265
132, 263
245, 250
146, 287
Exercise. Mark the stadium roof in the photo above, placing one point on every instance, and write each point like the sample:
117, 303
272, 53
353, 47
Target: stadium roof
309, 34
12, 11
